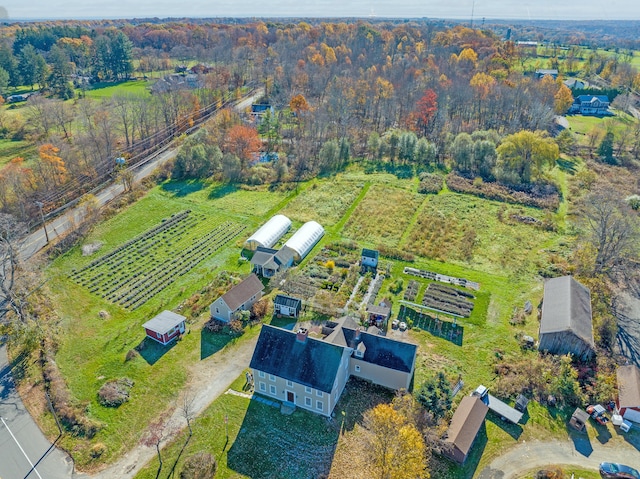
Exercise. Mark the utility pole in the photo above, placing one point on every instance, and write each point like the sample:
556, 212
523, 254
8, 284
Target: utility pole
40, 204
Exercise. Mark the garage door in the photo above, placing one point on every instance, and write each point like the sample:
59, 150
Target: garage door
632, 415
285, 310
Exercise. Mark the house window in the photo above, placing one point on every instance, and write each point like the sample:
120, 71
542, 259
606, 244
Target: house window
308, 402
319, 405
263, 387
359, 354
318, 393
307, 389
217, 311
261, 374
357, 368
272, 377
290, 384
272, 390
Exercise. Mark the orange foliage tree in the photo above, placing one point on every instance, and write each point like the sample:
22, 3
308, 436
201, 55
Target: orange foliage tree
52, 167
243, 142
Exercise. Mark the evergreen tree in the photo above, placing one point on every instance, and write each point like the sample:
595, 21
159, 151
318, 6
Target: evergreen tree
605, 150
32, 67
59, 78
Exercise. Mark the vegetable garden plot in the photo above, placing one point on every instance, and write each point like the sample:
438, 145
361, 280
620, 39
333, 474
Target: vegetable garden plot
136, 271
448, 300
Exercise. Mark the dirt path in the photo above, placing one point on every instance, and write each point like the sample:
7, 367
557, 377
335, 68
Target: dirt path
529, 456
208, 380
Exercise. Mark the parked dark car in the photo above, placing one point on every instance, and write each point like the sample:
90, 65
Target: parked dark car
609, 470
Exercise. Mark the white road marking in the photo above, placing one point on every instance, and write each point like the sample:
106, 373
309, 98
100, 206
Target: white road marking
33, 468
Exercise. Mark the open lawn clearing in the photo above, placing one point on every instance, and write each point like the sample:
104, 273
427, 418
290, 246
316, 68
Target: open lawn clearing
581, 126
382, 216
108, 89
257, 441
323, 201
488, 235
13, 149
247, 201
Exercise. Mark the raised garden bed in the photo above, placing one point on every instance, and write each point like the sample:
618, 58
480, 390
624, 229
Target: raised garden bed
448, 300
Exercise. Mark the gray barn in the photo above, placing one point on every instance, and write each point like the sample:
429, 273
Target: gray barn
566, 325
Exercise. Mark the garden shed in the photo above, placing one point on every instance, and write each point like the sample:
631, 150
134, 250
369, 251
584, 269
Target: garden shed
269, 233
165, 327
305, 239
369, 258
579, 419
287, 305
566, 324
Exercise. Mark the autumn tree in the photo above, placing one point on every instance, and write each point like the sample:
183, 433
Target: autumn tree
421, 120
153, 438
563, 99
52, 167
395, 446
243, 142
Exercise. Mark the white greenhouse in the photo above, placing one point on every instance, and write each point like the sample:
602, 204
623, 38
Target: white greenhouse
305, 239
269, 233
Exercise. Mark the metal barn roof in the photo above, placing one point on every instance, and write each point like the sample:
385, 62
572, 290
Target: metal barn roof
305, 239
269, 233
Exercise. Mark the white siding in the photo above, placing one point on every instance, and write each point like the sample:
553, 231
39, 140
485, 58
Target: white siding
305, 239
269, 233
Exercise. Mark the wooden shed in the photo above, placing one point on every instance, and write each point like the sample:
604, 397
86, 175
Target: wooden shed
566, 324
464, 428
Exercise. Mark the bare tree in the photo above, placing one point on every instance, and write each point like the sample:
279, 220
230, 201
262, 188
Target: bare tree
187, 409
12, 304
153, 438
612, 230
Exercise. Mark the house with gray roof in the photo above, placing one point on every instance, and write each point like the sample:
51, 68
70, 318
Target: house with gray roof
629, 392
165, 327
239, 298
299, 370
312, 373
590, 105
267, 261
566, 324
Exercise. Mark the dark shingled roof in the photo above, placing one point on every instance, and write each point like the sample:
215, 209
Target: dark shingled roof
567, 307
383, 351
628, 386
312, 363
288, 301
466, 423
242, 292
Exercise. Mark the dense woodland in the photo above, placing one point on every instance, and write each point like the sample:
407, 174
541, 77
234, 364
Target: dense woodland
387, 91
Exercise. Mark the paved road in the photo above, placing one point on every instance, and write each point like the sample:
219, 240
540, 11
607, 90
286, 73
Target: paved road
24, 451
584, 453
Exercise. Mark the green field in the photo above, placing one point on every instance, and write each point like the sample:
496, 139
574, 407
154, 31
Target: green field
108, 89
13, 149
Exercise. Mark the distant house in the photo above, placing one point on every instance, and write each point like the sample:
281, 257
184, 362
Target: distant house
566, 323
259, 109
543, 73
296, 369
369, 258
312, 373
239, 298
287, 306
629, 392
465, 425
590, 105
266, 261
378, 315
574, 83
20, 97
165, 327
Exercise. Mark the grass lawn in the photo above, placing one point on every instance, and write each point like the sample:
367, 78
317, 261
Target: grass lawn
481, 233
382, 216
12, 149
261, 442
108, 89
581, 125
323, 201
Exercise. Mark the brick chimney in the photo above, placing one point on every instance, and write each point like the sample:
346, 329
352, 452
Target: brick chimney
302, 335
